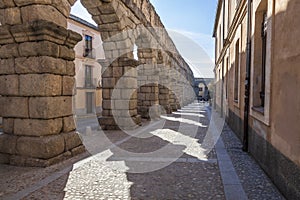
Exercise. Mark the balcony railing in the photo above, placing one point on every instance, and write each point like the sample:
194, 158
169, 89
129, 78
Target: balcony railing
89, 53
92, 83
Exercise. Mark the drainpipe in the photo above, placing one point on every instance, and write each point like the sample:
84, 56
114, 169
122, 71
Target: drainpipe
247, 81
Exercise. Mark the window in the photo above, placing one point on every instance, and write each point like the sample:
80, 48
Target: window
237, 71
201, 89
260, 58
227, 74
229, 14
1, 126
88, 76
263, 61
90, 102
220, 41
220, 84
88, 48
216, 49
261, 64
88, 42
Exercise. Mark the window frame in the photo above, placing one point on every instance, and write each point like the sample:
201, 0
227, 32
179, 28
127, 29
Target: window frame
237, 72
88, 44
88, 50
264, 36
227, 78
260, 113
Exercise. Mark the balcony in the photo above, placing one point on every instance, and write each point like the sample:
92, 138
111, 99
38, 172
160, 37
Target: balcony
92, 83
89, 53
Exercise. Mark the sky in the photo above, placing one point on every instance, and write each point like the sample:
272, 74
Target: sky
190, 25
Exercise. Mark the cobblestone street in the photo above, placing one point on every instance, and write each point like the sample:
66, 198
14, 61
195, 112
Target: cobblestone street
170, 158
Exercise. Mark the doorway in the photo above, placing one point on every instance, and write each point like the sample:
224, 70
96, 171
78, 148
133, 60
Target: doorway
90, 102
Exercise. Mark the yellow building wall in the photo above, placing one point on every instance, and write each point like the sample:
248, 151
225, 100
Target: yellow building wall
274, 131
285, 113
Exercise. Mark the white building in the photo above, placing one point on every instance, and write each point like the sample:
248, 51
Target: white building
88, 99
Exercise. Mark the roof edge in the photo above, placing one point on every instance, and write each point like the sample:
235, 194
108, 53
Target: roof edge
83, 22
217, 17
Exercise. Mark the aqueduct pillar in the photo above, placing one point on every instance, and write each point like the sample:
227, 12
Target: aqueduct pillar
148, 76
37, 83
164, 87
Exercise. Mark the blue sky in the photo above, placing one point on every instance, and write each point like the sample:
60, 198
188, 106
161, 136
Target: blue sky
190, 24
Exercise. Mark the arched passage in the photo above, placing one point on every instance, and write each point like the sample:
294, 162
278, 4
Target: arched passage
201, 88
37, 74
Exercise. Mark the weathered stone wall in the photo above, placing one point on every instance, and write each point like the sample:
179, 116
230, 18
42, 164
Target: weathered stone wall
164, 67
148, 91
120, 33
37, 74
37, 83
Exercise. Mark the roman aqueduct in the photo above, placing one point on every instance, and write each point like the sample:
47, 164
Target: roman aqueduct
37, 74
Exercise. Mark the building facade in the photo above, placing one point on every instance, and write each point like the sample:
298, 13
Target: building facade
257, 83
88, 98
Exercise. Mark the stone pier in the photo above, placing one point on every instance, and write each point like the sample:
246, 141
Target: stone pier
164, 67
37, 84
119, 82
148, 76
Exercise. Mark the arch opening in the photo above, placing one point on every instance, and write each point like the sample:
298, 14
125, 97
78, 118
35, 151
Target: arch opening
87, 101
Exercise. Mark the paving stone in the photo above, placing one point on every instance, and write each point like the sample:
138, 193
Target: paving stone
110, 170
254, 181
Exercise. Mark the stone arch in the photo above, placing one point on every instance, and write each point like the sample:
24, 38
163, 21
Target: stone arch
37, 74
201, 89
119, 105
147, 73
